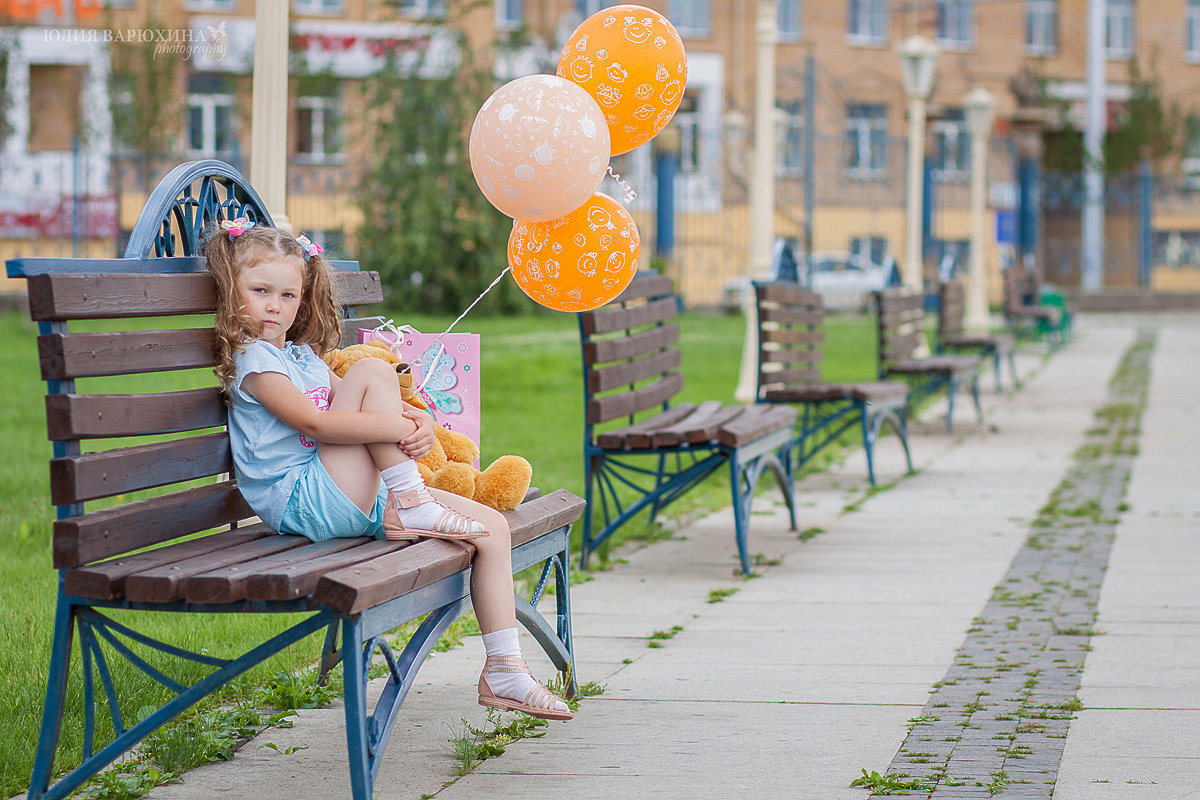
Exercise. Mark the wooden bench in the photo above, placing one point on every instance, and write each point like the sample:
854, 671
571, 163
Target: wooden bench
789, 371
900, 324
631, 363
135, 555
1023, 309
952, 338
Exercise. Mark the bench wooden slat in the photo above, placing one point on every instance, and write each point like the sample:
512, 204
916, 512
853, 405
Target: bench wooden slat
81, 355
790, 316
708, 433
99, 416
792, 356
75, 479
670, 435
609, 319
602, 409
543, 514
71, 296
144, 523
615, 440
606, 378
756, 423
790, 336
799, 375
890, 320
605, 350
106, 579
787, 294
165, 583
893, 301
300, 579
644, 286
356, 588
228, 584
900, 347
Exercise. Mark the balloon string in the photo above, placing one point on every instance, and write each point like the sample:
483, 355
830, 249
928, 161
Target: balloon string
629, 192
437, 341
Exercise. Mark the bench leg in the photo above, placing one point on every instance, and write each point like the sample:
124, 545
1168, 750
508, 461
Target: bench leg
975, 397
951, 392
996, 359
869, 434
1012, 368
743, 478
56, 693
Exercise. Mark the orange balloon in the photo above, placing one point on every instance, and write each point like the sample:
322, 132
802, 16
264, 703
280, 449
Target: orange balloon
631, 59
577, 262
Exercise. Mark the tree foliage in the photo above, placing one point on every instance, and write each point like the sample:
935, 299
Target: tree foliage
427, 228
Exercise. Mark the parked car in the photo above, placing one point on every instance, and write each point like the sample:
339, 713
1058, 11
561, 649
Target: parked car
845, 280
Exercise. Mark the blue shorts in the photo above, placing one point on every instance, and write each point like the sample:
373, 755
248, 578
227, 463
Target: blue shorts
320, 510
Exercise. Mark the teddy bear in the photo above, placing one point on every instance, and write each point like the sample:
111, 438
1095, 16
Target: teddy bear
501, 486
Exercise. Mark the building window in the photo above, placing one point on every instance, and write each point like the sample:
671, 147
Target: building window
423, 8
789, 149
866, 140
209, 5
952, 157
319, 128
1041, 27
790, 19
1192, 46
867, 21
691, 137
320, 8
55, 110
1191, 151
955, 22
872, 248
210, 116
1118, 28
588, 7
690, 17
510, 14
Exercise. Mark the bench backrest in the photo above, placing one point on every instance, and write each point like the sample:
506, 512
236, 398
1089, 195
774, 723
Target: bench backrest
1020, 288
899, 323
953, 306
631, 354
156, 408
789, 336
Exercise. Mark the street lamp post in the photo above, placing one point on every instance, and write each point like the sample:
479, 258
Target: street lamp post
978, 106
918, 58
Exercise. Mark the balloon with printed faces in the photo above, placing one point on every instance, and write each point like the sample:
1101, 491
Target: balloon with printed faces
577, 262
631, 60
539, 147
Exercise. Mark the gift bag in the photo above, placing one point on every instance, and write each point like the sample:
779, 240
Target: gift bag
446, 375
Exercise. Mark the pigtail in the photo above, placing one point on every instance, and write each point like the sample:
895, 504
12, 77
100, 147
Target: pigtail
316, 322
233, 326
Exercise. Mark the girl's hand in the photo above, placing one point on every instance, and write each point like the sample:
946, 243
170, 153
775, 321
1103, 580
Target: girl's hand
420, 443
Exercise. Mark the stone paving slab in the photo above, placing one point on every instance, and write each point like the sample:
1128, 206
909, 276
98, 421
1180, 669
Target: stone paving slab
916, 564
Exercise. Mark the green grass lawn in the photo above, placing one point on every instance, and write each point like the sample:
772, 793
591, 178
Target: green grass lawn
532, 406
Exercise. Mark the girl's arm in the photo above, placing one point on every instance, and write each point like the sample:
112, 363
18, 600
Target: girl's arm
416, 445
280, 396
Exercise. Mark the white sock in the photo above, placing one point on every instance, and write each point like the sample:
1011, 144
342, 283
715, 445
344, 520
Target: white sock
510, 685
405, 477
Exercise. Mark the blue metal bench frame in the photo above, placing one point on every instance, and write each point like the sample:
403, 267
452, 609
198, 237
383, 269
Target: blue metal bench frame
153, 248
674, 470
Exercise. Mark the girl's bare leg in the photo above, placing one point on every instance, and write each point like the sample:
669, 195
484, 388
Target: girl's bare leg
369, 385
491, 569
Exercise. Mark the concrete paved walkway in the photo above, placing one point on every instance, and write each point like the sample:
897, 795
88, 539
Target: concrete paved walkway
805, 676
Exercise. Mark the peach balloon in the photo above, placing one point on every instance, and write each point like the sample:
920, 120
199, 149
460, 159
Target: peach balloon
539, 147
577, 262
631, 59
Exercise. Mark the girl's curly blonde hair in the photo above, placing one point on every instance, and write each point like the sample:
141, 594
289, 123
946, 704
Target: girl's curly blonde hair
316, 321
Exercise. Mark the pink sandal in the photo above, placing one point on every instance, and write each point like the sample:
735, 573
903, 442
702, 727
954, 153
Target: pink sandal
449, 525
538, 703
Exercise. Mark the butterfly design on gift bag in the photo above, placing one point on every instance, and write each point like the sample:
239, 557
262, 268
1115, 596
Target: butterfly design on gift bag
438, 380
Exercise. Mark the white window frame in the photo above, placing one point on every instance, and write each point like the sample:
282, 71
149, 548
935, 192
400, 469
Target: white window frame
1041, 27
319, 106
867, 22
318, 8
1191, 42
204, 5
510, 14
1119, 22
423, 9
796, 7
862, 246
685, 16
945, 131
208, 103
864, 129
588, 7
792, 134
956, 24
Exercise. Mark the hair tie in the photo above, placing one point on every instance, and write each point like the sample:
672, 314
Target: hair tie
236, 227
310, 249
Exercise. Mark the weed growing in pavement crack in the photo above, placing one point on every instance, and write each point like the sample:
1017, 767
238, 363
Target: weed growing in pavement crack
717, 595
